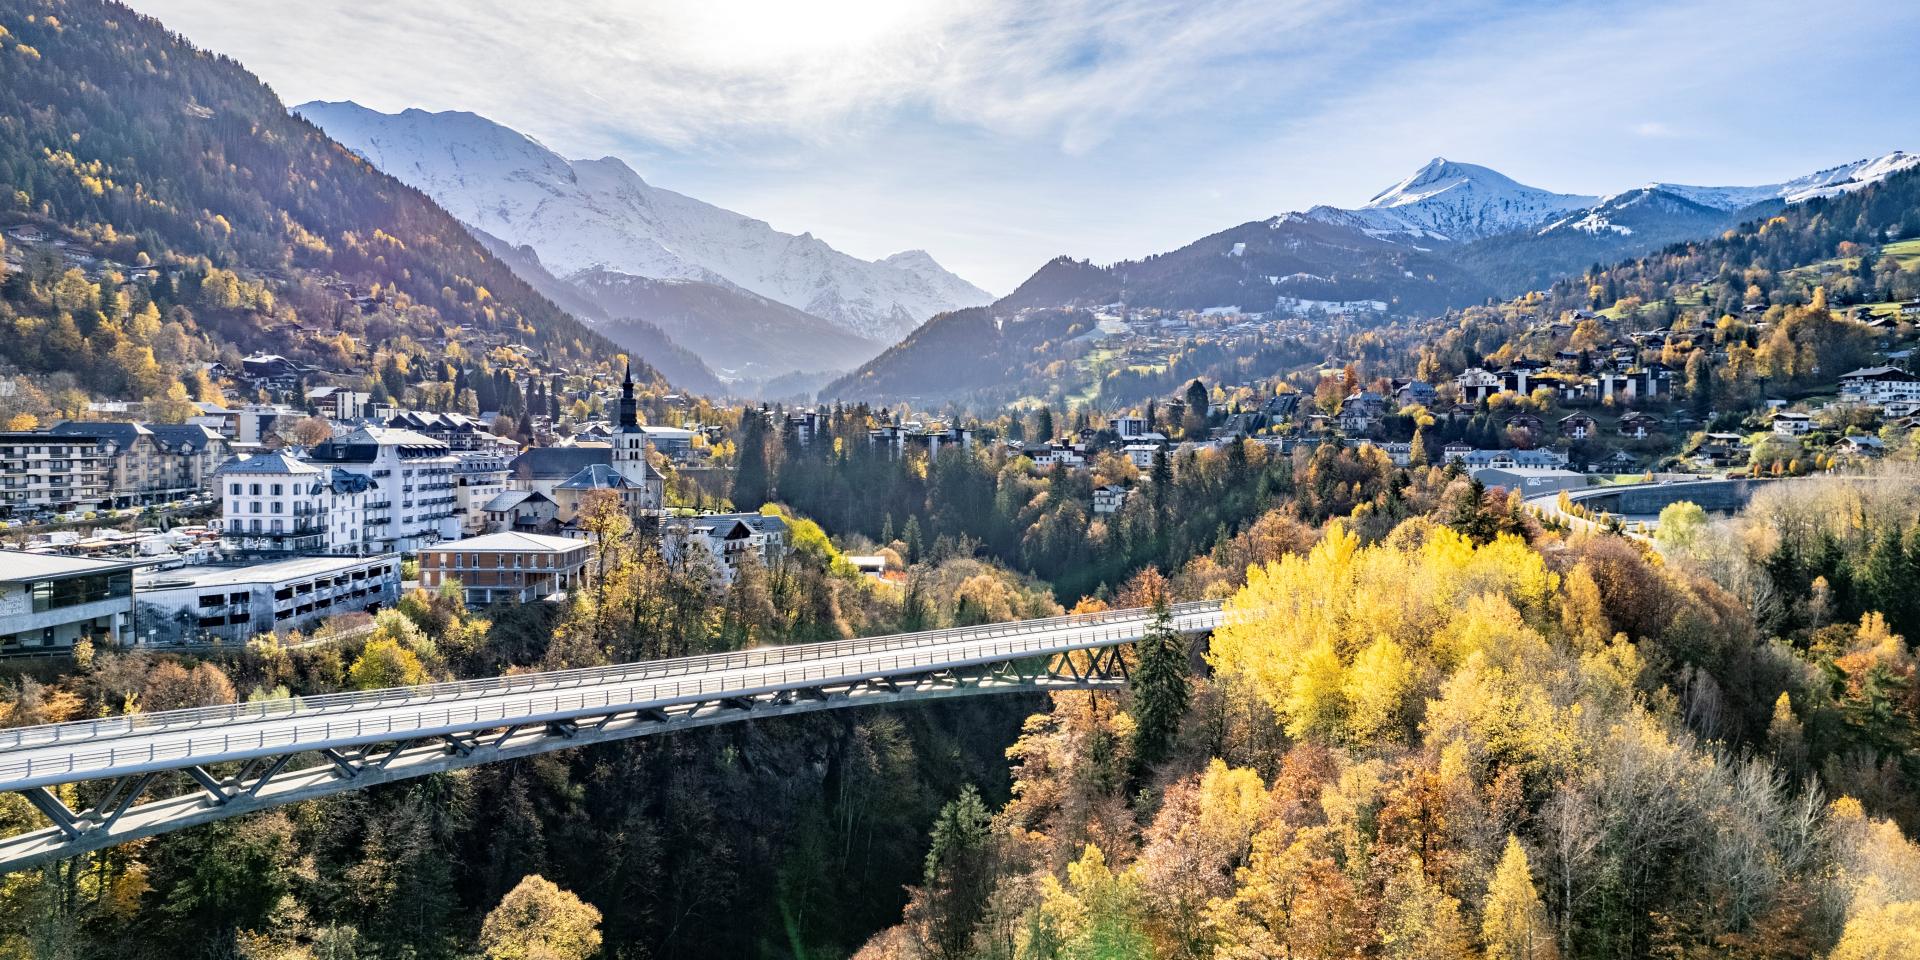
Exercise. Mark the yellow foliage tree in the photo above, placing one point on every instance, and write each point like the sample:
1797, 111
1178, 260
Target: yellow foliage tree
1514, 923
537, 920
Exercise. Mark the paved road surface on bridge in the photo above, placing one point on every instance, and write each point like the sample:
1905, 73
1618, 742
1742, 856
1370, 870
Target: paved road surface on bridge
239, 755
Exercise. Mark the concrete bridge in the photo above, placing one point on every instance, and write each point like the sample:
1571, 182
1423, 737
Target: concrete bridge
107, 781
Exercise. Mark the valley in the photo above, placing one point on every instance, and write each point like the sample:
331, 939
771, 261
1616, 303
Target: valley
423, 541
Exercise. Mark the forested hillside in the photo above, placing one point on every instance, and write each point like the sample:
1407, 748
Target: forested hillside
170, 176
1452, 743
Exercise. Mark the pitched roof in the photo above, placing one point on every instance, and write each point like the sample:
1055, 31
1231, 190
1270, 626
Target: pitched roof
275, 462
177, 436
509, 499
124, 434
557, 463
596, 476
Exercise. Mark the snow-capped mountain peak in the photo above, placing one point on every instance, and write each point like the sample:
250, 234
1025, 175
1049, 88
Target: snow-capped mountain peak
1448, 200
588, 215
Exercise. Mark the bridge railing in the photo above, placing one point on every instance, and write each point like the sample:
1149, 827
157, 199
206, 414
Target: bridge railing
46, 766
263, 710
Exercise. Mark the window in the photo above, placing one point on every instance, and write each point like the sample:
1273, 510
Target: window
234, 489
276, 490
253, 489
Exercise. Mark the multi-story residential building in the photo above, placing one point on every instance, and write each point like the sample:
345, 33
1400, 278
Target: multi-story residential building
272, 503
725, 541
234, 604
523, 510
478, 477
50, 602
152, 463
501, 567
41, 473
413, 473
457, 431
1877, 385
252, 423
338, 403
191, 453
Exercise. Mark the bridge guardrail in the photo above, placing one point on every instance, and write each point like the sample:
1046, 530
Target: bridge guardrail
459, 716
111, 727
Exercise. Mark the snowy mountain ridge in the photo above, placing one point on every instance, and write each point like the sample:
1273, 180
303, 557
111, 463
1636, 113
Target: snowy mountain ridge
1446, 200
584, 216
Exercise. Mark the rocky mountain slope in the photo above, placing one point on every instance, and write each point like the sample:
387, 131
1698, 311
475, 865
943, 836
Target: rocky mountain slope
599, 217
1450, 235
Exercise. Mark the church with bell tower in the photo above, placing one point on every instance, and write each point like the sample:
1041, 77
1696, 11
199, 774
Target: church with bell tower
647, 487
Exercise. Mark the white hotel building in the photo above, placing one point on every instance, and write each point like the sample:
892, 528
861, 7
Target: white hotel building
372, 491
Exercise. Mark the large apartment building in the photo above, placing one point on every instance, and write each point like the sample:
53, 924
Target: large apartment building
501, 567
416, 477
153, 463
41, 473
272, 503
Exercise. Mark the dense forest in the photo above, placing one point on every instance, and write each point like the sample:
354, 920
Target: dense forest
1442, 743
1441, 730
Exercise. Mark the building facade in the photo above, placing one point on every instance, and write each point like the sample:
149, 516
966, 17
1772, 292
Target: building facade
506, 567
415, 476
48, 603
234, 604
43, 473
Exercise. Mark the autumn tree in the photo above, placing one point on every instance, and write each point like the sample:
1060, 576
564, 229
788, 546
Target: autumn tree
1514, 922
537, 920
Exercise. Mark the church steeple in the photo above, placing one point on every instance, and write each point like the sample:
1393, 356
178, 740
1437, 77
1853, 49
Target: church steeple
629, 408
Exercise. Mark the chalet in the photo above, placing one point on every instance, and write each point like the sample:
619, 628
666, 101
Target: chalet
1577, 426
1787, 424
1722, 449
1857, 446
726, 541
1526, 421
1109, 498
1910, 309
1477, 384
1359, 412
1416, 392
1875, 385
1455, 452
1639, 425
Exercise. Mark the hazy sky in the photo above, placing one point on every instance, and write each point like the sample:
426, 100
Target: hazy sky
997, 134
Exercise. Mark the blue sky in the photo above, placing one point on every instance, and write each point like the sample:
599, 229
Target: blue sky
999, 133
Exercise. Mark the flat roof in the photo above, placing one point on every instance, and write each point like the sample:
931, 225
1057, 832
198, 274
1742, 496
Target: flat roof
19, 567
274, 572
505, 542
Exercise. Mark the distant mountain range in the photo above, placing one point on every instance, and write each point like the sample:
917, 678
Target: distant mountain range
751, 301
1449, 235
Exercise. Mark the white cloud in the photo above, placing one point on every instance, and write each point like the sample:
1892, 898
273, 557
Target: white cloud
998, 133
